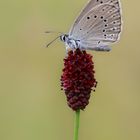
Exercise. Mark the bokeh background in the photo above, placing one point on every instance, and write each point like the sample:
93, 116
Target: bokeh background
32, 106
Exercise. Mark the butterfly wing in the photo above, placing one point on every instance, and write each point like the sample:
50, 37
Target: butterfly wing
98, 25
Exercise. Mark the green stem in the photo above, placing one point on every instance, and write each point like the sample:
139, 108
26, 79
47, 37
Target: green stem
76, 127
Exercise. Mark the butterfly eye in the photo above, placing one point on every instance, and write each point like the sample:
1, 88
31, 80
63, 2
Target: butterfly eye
63, 38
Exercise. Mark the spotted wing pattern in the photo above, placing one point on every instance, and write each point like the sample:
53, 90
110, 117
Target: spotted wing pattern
98, 25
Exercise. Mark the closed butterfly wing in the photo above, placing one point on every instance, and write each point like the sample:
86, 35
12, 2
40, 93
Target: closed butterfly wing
98, 25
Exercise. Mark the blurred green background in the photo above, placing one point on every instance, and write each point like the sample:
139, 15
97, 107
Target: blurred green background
32, 106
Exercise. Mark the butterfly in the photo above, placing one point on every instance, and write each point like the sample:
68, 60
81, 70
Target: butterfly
96, 28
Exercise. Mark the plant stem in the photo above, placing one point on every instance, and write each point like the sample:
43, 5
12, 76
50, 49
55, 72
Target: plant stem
76, 127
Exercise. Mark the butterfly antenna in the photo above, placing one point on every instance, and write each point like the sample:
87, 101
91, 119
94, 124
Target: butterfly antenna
48, 32
52, 41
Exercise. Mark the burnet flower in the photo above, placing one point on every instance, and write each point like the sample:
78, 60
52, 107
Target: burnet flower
78, 79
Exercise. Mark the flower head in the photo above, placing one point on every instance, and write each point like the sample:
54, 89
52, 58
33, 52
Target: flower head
78, 79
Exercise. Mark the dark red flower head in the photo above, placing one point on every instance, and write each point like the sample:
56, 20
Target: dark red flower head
78, 79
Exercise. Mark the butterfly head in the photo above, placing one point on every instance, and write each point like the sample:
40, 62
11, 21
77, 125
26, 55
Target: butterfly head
64, 37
